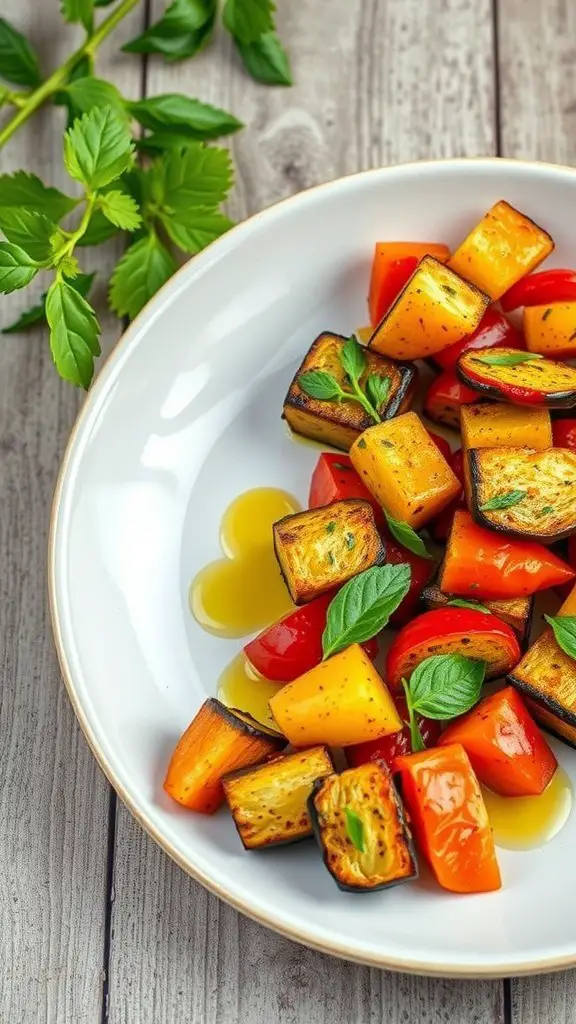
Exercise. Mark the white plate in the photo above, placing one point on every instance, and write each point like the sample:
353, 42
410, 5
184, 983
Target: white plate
184, 416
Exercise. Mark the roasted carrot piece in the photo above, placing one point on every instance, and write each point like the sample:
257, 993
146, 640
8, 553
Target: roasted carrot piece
449, 818
506, 748
393, 264
217, 741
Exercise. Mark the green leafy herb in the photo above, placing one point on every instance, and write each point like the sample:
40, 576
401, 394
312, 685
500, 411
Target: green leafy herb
564, 627
78, 11
324, 386
16, 268
350, 541
120, 209
144, 267
460, 602
353, 359
28, 192
363, 606
377, 390
545, 511
37, 313
83, 94
248, 20
321, 385
330, 527
361, 443
74, 333
500, 501
18, 61
416, 739
183, 30
354, 829
193, 230
508, 358
406, 536
98, 148
446, 685
187, 117
31, 231
266, 60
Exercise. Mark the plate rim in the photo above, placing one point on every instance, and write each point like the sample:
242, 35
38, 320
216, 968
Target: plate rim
96, 393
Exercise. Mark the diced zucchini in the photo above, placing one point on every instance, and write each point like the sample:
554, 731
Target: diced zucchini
360, 826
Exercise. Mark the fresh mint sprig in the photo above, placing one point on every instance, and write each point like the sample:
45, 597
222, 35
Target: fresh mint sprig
324, 387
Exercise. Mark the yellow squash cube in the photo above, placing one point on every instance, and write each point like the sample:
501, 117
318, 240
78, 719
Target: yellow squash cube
551, 330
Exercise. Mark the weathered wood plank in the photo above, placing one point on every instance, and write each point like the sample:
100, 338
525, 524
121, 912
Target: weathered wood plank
538, 122
376, 82
53, 798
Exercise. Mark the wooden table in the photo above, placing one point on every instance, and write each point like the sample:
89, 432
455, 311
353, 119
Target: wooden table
96, 923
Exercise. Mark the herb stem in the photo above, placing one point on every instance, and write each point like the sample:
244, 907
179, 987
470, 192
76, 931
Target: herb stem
415, 734
59, 77
74, 237
364, 401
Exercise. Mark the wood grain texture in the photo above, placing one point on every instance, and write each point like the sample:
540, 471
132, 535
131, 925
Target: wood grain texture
537, 59
377, 81
53, 798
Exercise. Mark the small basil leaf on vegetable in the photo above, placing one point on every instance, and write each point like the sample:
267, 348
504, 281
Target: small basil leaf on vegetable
503, 501
321, 385
377, 389
445, 685
353, 359
460, 602
363, 606
564, 627
354, 829
406, 536
508, 358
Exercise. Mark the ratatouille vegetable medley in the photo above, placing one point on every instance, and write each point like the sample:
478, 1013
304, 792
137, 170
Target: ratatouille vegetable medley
444, 548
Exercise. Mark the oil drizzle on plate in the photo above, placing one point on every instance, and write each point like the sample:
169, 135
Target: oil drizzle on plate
525, 822
244, 591
241, 686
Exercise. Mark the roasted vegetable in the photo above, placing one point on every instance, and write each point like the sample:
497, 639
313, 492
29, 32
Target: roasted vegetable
340, 423
421, 570
440, 526
544, 287
551, 329
522, 492
335, 479
484, 565
292, 646
359, 824
269, 803
506, 748
497, 424
536, 382
217, 741
388, 748
564, 434
393, 265
404, 470
435, 309
546, 677
494, 330
452, 630
501, 249
449, 818
445, 398
319, 549
340, 702
515, 611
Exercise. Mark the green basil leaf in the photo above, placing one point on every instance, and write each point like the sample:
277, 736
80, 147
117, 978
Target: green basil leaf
446, 685
78, 11
508, 358
144, 267
564, 627
362, 607
197, 176
319, 384
266, 60
353, 358
31, 231
460, 602
248, 20
503, 501
120, 209
406, 536
98, 147
17, 268
184, 29
193, 231
377, 390
18, 61
74, 332
26, 190
354, 829
37, 314
86, 93
191, 118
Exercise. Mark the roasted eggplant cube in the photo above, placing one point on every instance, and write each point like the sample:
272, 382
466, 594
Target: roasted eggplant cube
269, 804
541, 382
515, 611
324, 547
542, 485
501, 249
359, 823
340, 423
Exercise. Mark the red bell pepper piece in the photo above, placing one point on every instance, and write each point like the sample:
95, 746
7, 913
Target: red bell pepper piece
492, 331
440, 526
483, 564
449, 818
393, 265
506, 748
445, 396
388, 748
564, 434
540, 289
293, 645
442, 445
335, 479
452, 630
421, 569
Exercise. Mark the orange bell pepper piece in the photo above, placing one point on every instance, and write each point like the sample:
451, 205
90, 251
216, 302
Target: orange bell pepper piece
393, 264
449, 818
506, 748
550, 330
